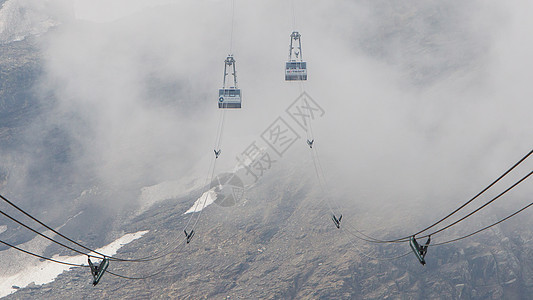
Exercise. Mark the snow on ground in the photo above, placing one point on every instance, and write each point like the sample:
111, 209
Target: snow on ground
205, 200
165, 191
14, 261
42, 272
172, 189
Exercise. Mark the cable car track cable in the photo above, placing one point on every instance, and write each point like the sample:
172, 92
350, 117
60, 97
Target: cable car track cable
82, 265
375, 257
111, 258
58, 233
152, 274
323, 184
220, 129
45, 236
43, 257
476, 196
481, 207
406, 238
210, 175
372, 240
486, 227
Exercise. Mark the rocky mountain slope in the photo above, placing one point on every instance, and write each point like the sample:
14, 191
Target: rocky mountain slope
280, 244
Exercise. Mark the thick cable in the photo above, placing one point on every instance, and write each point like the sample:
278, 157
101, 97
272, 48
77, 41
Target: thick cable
51, 229
481, 207
152, 274
45, 236
218, 140
82, 265
211, 173
486, 227
211, 169
406, 238
111, 258
476, 196
374, 257
42, 257
205, 199
206, 183
373, 240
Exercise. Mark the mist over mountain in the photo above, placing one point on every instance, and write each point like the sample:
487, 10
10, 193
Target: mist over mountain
108, 116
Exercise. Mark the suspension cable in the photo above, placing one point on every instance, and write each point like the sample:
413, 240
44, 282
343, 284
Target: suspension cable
406, 238
219, 139
374, 257
476, 196
210, 175
481, 207
378, 241
82, 265
42, 257
45, 236
152, 274
55, 231
486, 227
111, 258
220, 131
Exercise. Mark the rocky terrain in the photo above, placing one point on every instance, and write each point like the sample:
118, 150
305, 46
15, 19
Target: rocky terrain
278, 242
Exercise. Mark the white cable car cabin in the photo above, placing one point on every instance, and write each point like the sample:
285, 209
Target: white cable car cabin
295, 68
229, 97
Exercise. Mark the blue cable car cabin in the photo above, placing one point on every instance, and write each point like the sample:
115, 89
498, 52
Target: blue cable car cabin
295, 70
229, 98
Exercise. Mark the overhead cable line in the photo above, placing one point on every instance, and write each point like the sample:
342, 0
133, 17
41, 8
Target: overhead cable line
53, 230
82, 265
42, 257
486, 227
373, 240
151, 274
45, 236
233, 93
101, 255
406, 238
481, 207
476, 196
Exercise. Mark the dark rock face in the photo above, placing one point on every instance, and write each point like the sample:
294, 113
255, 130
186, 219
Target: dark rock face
19, 70
36, 157
20, 67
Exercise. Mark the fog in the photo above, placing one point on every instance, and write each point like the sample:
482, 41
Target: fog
425, 102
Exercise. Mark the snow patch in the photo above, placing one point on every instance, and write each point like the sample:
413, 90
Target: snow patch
164, 191
205, 200
42, 272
